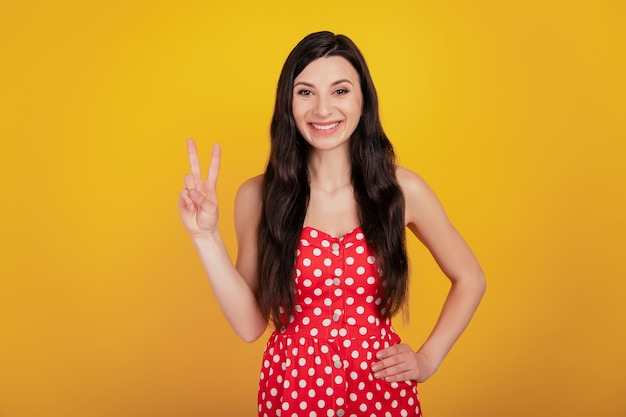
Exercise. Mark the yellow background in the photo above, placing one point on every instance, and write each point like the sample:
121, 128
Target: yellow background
514, 112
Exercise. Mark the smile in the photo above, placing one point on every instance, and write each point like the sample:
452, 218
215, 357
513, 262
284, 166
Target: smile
325, 127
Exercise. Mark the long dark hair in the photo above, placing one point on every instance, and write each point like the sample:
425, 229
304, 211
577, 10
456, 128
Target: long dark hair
286, 188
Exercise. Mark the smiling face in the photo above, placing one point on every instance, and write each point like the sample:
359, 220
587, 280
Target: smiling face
327, 102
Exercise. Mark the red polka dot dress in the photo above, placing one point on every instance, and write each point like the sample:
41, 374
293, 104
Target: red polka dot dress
319, 365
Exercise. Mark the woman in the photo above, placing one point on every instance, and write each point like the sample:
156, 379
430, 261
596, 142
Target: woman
333, 201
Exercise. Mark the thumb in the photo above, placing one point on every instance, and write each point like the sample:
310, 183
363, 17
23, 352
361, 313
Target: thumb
203, 203
197, 197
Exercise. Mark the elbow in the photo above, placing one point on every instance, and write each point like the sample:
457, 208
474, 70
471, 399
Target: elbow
250, 338
480, 287
479, 284
474, 283
251, 335
482, 283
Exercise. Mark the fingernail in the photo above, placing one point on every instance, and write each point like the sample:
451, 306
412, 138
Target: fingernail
374, 368
377, 375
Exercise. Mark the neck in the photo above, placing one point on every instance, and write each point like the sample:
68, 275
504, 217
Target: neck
329, 170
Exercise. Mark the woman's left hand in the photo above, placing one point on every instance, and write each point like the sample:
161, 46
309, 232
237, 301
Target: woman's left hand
400, 363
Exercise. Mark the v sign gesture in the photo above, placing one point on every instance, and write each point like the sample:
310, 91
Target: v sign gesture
232, 286
198, 201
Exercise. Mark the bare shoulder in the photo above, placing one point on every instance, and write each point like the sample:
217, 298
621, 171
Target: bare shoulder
413, 186
250, 190
421, 203
410, 181
248, 202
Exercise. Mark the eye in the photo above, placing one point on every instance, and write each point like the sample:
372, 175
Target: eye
341, 91
304, 92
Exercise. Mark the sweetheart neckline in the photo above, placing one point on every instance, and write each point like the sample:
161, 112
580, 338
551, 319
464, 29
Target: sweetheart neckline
357, 228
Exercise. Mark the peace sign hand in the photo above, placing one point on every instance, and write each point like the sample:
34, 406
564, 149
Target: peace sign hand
198, 201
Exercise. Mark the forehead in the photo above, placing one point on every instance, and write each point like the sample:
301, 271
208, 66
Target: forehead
327, 70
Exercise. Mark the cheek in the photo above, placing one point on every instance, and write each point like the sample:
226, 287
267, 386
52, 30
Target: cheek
353, 107
298, 117
298, 112
359, 107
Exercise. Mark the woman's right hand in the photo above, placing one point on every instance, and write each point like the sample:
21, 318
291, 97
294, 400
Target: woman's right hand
198, 201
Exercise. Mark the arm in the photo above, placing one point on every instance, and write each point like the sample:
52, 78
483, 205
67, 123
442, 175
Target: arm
426, 218
232, 286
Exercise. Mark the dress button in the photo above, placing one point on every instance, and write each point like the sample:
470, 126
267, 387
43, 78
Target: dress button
338, 364
336, 317
336, 281
335, 247
340, 413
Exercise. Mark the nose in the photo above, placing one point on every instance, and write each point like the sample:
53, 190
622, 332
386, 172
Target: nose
323, 106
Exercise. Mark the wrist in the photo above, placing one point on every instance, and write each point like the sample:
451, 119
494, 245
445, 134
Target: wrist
427, 366
206, 237
432, 359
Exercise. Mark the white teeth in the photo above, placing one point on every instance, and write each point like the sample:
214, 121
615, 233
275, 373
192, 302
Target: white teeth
325, 127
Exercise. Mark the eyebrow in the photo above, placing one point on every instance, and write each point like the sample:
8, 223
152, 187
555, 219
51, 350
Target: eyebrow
304, 83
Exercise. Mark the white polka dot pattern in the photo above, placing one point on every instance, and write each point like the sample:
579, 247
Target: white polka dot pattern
320, 363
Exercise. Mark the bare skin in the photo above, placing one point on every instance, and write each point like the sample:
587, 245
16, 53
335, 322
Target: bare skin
331, 96
232, 285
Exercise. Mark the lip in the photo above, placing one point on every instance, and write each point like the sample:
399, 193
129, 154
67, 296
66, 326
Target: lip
326, 128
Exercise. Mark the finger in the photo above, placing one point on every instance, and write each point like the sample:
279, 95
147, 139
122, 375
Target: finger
392, 355
390, 368
214, 168
402, 376
392, 350
403, 368
184, 202
194, 162
197, 197
387, 363
189, 183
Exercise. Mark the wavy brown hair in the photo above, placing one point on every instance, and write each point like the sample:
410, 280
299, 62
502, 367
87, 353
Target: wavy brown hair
286, 188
